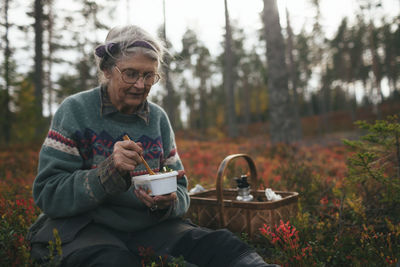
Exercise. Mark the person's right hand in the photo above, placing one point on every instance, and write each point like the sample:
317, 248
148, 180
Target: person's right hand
126, 155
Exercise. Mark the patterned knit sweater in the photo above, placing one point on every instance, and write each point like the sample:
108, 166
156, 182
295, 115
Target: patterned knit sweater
76, 153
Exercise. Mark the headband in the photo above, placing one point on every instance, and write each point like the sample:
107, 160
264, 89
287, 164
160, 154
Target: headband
101, 50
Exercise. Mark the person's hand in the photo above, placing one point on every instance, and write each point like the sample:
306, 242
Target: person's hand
156, 202
126, 155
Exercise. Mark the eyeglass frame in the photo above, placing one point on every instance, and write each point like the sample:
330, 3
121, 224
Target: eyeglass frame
139, 76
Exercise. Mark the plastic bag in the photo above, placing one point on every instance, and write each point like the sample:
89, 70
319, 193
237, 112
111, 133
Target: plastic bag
271, 195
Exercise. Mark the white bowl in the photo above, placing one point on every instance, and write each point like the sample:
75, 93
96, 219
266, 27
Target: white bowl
157, 184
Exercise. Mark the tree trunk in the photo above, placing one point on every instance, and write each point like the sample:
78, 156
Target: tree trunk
50, 57
203, 104
228, 77
281, 122
246, 102
38, 79
375, 68
293, 78
323, 99
324, 109
7, 54
169, 102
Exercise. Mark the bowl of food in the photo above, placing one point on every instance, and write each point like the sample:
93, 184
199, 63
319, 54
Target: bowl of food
157, 184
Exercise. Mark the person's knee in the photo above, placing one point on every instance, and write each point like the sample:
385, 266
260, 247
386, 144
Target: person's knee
102, 255
228, 241
206, 247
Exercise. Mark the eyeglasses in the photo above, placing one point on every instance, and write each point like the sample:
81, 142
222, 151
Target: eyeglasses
132, 76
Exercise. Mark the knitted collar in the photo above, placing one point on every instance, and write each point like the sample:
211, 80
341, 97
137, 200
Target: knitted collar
107, 106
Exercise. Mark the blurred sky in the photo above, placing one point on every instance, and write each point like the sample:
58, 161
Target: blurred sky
206, 17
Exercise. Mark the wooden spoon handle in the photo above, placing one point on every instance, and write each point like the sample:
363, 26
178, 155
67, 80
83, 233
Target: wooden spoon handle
149, 170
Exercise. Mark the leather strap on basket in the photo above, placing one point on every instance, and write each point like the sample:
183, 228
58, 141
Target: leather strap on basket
220, 175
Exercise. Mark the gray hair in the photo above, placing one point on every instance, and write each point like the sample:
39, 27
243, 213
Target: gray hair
125, 36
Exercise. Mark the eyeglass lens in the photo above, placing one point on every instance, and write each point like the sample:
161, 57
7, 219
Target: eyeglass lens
132, 75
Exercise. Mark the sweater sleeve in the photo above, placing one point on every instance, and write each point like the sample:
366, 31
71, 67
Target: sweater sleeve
62, 188
172, 160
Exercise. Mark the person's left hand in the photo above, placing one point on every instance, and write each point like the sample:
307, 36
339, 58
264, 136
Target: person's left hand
155, 202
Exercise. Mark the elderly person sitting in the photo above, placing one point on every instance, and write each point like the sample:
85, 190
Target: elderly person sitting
83, 185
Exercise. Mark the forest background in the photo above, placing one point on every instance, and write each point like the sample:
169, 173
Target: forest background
287, 99
216, 94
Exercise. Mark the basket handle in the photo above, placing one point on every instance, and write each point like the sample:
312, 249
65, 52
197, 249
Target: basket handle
220, 174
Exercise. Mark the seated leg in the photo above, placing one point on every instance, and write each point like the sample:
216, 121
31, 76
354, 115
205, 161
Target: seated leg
205, 247
101, 255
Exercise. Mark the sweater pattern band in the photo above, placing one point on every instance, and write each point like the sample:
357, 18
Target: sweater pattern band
59, 142
90, 144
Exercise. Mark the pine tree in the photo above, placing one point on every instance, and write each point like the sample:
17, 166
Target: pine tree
228, 77
170, 100
5, 93
281, 123
38, 69
292, 75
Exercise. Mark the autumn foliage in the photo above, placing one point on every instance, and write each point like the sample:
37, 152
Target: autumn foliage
17, 171
348, 206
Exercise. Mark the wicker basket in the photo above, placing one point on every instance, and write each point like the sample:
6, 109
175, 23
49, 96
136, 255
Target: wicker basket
218, 208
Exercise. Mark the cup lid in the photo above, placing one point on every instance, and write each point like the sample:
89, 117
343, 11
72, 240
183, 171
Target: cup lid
156, 176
